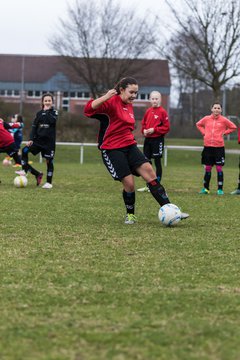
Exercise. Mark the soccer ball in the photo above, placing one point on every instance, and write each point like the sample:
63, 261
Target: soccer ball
20, 181
6, 162
169, 214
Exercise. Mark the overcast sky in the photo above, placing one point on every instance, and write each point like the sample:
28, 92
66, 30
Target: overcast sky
26, 25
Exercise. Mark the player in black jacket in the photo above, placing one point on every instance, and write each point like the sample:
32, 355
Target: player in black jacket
42, 140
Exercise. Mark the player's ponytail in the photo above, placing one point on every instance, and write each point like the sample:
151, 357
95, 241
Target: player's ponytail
124, 82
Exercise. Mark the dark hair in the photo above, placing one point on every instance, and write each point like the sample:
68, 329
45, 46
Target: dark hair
216, 103
19, 118
124, 82
47, 94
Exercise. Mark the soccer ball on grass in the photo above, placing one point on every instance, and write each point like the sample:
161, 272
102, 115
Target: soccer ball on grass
20, 181
6, 162
169, 214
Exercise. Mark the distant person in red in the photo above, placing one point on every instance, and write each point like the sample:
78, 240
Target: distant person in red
213, 128
237, 191
7, 144
118, 146
155, 125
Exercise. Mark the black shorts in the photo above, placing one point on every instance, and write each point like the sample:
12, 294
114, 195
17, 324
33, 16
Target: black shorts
10, 150
47, 153
153, 147
213, 155
123, 162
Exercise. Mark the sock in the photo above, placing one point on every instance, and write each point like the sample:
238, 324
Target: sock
220, 180
129, 201
158, 192
50, 169
16, 158
206, 180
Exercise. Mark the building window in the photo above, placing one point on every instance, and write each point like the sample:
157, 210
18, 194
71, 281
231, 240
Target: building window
72, 94
2, 92
143, 96
79, 94
30, 93
86, 95
65, 104
37, 93
65, 94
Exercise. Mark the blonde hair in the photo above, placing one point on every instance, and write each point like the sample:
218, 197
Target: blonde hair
155, 92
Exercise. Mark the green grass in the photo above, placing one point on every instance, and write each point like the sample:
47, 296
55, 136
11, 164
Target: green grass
76, 283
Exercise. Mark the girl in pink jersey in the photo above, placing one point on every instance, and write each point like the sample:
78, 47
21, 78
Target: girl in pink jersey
118, 146
213, 127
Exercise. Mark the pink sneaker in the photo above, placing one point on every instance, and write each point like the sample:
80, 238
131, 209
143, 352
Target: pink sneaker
21, 173
39, 178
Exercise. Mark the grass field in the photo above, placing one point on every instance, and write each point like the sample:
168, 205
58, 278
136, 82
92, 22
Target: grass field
76, 283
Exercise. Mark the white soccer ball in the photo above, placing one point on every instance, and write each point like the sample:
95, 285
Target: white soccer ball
169, 214
6, 162
20, 181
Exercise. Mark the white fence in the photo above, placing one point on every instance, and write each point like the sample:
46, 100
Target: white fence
166, 149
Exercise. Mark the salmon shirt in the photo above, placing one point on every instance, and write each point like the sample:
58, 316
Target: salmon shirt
214, 128
116, 123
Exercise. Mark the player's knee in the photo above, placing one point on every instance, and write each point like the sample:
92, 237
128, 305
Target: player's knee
25, 150
208, 168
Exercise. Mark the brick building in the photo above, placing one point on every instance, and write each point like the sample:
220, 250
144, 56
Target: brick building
24, 78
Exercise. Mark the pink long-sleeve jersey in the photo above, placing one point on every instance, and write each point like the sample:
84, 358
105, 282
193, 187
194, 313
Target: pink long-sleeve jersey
214, 128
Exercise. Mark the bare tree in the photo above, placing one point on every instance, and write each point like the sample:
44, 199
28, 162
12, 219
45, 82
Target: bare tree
205, 45
95, 34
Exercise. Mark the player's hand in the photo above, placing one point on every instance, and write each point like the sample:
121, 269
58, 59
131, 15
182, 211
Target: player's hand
149, 131
47, 107
110, 93
145, 132
29, 143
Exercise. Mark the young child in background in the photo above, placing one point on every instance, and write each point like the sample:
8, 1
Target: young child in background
237, 191
42, 140
17, 134
155, 125
213, 127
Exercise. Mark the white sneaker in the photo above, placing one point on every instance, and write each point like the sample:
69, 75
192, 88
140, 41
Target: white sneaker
47, 186
21, 173
144, 189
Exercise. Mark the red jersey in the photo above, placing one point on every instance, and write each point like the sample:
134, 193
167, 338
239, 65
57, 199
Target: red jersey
6, 138
239, 134
117, 123
157, 118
